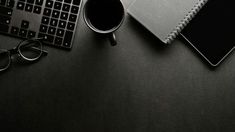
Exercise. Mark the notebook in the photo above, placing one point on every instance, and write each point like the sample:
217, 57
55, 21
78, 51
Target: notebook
165, 18
211, 32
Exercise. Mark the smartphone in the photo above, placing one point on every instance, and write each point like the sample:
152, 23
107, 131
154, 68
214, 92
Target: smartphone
211, 32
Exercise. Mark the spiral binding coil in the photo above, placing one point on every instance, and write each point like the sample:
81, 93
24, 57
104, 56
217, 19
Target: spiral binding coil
185, 21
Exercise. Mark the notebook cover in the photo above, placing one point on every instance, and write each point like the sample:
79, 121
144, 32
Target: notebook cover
211, 32
165, 18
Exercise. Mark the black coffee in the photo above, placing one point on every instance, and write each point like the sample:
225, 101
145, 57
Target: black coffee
104, 14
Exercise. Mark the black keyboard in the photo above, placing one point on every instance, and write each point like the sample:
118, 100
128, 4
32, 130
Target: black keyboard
54, 21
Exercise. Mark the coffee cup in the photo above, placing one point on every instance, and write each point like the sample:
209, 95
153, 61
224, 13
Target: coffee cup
104, 17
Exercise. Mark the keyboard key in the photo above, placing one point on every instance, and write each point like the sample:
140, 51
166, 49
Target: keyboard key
76, 2
64, 16
43, 28
60, 0
68, 39
55, 14
30, 1
58, 41
70, 26
66, 7
52, 30
62, 24
54, 22
46, 38
22, 0
3, 2
39, 2
47, 12
25, 24
37, 9
45, 20
23, 33
14, 30
74, 9
10, 3
29, 8
72, 18
20, 6
5, 20
49, 3
4, 28
58, 5
60, 32
68, 1
5, 11
31, 34
49, 38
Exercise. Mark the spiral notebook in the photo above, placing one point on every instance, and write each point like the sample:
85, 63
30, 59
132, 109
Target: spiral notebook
165, 18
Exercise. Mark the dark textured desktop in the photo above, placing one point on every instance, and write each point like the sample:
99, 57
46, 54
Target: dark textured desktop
59, 75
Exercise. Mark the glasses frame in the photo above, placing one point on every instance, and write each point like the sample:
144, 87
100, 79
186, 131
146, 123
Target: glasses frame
16, 50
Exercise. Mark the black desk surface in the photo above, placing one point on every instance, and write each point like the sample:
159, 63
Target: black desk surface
140, 85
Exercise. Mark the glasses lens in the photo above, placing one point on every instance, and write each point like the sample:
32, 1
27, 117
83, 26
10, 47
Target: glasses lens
4, 60
30, 49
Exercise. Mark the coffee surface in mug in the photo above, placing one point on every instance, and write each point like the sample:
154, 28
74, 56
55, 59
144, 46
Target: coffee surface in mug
105, 14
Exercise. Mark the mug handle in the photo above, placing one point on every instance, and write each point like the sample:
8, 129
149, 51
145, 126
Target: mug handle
113, 39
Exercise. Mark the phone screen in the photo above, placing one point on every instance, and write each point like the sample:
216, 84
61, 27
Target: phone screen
212, 31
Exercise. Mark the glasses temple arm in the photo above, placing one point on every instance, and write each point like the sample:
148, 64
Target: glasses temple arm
43, 51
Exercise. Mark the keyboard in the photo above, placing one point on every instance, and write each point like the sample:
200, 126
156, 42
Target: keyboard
54, 21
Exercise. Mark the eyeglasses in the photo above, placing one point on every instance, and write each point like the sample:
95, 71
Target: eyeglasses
29, 50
